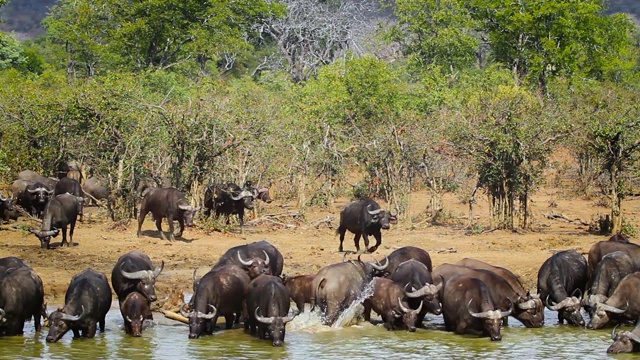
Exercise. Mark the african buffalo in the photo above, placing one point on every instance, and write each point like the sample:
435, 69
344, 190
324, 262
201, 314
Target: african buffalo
268, 302
61, 212
414, 277
300, 288
254, 257
134, 272
364, 218
86, 304
622, 305
526, 310
619, 237
35, 198
21, 298
559, 278
467, 308
8, 211
167, 203
609, 272
390, 301
336, 286
625, 341
96, 189
602, 248
405, 253
70, 186
227, 199
34, 177
219, 292
9, 262
134, 309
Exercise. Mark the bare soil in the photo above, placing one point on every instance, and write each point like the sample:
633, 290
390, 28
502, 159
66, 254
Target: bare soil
308, 243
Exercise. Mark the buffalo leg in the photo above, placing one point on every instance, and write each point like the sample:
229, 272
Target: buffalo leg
101, 323
367, 311
36, 321
341, 231
356, 241
90, 332
229, 321
181, 223
560, 318
72, 226
159, 227
378, 236
171, 228
64, 236
76, 333
141, 216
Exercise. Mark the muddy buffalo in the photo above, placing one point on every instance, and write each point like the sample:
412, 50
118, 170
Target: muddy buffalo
389, 300
134, 309
134, 271
254, 257
167, 203
300, 288
364, 218
467, 308
219, 292
559, 278
623, 305
336, 286
21, 299
86, 304
61, 213
268, 302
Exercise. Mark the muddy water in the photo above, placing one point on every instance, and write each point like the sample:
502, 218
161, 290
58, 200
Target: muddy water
307, 339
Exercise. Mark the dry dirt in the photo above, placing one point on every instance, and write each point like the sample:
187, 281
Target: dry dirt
306, 248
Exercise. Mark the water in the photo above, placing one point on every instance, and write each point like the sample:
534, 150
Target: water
306, 338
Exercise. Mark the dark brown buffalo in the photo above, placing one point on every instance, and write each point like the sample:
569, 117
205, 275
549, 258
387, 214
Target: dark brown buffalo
503, 295
268, 302
61, 212
134, 309
300, 288
602, 248
390, 301
625, 341
364, 218
9, 262
226, 200
35, 198
610, 271
21, 299
467, 308
619, 237
254, 257
134, 272
34, 177
96, 188
8, 211
405, 253
623, 305
167, 203
70, 186
336, 286
219, 292
416, 279
559, 278
86, 304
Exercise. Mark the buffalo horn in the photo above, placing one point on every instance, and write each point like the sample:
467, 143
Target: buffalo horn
534, 296
266, 257
137, 275
244, 262
380, 267
427, 289
49, 191
264, 320
480, 315
529, 304
208, 316
579, 293
289, 318
2, 314
2, 198
33, 191
186, 207
184, 312
611, 309
613, 332
243, 193
374, 212
552, 306
508, 312
158, 270
72, 318
404, 309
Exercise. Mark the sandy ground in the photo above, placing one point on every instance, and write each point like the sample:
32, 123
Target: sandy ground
307, 247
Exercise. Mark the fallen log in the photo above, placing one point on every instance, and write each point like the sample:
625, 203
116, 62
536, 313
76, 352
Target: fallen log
175, 316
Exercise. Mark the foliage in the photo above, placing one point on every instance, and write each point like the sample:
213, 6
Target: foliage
11, 54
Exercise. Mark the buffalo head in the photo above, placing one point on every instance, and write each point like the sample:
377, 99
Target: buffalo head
623, 342
491, 319
45, 236
275, 326
601, 315
197, 320
146, 285
59, 323
408, 315
256, 266
569, 309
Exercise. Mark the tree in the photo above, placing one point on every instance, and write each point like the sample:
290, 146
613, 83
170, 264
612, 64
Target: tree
315, 33
609, 127
11, 54
435, 33
538, 40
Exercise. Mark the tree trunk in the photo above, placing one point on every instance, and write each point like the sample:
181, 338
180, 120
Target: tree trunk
616, 203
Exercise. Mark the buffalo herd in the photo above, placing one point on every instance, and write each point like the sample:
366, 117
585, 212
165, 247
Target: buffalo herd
247, 284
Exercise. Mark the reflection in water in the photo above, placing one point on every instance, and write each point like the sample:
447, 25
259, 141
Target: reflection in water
306, 338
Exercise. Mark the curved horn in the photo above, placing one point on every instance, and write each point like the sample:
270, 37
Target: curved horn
208, 316
184, 312
266, 257
186, 207
508, 312
243, 193
579, 292
344, 256
374, 212
404, 309
529, 304
264, 320
427, 289
158, 270
136, 275
552, 306
2, 314
244, 262
72, 318
534, 296
50, 192
380, 267
32, 191
480, 315
611, 309
289, 318
2, 198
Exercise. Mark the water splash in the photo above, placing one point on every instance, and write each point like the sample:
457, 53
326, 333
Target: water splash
352, 314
